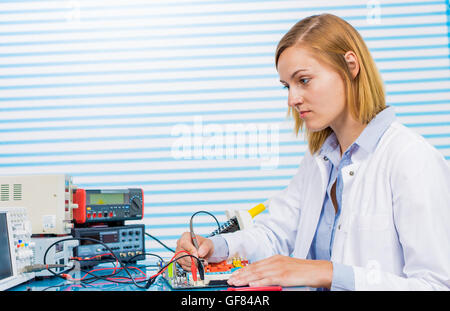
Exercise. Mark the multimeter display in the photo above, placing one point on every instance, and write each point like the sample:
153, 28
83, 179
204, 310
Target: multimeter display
106, 198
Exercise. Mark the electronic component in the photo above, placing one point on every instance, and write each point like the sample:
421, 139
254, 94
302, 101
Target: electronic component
127, 242
102, 205
215, 274
47, 198
16, 248
238, 220
58, 254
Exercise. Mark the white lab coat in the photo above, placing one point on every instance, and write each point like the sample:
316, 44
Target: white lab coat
394, 224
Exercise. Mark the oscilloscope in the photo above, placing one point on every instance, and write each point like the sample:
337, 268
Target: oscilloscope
16, 247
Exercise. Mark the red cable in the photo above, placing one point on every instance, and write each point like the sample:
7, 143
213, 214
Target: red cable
193, 268
177, 253
101, 269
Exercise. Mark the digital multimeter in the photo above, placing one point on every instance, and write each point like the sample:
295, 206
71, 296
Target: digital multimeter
102, 205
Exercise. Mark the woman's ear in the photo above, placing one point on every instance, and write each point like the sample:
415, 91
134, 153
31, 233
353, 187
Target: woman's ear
352, 63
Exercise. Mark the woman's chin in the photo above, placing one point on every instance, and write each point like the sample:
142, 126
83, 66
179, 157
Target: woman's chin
312, 127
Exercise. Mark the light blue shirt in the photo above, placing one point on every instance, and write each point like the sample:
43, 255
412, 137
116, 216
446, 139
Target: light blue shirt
321, 247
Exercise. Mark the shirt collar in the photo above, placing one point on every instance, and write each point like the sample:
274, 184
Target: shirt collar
372, 133
369, 137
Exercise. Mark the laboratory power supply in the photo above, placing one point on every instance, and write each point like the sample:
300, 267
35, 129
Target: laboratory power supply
47, 198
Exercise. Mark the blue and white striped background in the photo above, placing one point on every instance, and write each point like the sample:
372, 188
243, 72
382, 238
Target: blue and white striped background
94, 89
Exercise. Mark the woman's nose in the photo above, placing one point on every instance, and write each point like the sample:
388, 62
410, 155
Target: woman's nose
294, 100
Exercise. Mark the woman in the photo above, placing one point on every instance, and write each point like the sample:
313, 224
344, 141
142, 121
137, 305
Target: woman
369, 207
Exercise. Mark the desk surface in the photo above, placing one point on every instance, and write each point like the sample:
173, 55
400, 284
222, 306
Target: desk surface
55, 283
150, 268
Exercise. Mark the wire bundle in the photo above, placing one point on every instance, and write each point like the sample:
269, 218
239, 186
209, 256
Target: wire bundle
119, 267
115, 276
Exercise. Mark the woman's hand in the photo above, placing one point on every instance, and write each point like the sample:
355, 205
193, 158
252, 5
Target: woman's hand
284, 271
205, 249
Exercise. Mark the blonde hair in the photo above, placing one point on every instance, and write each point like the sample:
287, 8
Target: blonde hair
329, 38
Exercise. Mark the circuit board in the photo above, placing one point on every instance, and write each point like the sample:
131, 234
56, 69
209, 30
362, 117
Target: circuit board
215, 275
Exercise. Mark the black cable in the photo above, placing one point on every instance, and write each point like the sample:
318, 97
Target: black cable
151, 280
172, 250
61, 285
96, 277
217, 222
150, 254
167, 247
191, 226
193, 235
106, 277
98, 242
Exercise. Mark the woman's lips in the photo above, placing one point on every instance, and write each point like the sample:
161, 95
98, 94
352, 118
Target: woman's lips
304, 113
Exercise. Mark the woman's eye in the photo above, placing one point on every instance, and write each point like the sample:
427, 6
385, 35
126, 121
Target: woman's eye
285, 87
304, 80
